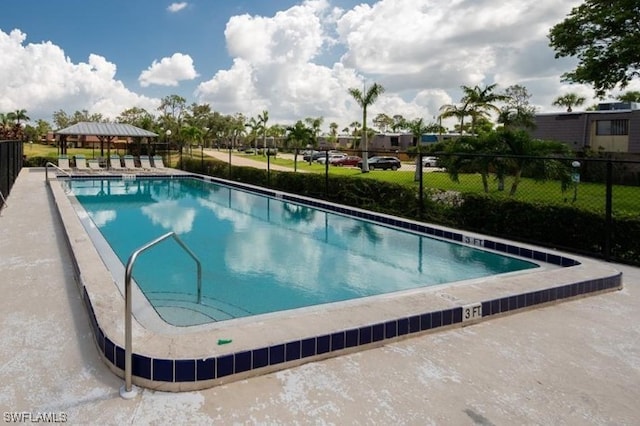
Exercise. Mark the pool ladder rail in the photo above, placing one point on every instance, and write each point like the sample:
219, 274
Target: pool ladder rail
127, 391
46, 171
4, 202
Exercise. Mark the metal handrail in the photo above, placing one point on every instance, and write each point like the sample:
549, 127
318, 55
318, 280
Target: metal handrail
4, 201
46, 170
126, 390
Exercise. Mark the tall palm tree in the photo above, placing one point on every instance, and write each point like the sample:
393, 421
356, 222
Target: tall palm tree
418, 128
569, 100
19, 115
255, 127
364, 100
263, 119
481, 101
356, 128
459, 112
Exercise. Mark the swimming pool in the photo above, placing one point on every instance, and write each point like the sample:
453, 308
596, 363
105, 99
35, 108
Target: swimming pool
171, 358
262, 255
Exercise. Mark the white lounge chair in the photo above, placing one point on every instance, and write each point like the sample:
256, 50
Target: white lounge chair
114, 162
63, 162
94, 166
145, 163
81, 163
130, 162
158, 162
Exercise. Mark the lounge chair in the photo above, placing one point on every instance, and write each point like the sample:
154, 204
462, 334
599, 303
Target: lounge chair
145, 163
63, 162
94, 166
114, 162
130, 162
81, 163
158, 162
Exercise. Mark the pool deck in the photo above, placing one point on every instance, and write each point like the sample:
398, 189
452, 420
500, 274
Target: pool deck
576, 362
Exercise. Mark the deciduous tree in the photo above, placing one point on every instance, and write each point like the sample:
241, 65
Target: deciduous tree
605, 37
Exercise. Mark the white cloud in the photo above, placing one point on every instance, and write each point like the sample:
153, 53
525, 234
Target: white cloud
177, 7
300, 62
421, 51
39, 77
169, 71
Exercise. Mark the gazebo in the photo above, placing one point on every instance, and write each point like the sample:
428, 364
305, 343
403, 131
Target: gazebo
105, 132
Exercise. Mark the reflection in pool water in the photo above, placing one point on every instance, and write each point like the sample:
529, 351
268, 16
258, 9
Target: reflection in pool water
261, 254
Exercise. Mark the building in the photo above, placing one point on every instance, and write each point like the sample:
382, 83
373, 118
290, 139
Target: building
613, 127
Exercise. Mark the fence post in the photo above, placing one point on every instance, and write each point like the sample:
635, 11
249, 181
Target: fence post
268, 168
326, 175
420, 186
608, 212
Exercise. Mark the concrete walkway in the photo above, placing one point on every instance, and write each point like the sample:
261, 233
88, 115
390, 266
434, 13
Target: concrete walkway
575, 363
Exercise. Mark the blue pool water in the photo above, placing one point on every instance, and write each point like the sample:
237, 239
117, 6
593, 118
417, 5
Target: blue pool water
261, 254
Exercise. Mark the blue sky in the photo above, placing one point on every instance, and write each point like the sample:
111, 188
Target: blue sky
295, 59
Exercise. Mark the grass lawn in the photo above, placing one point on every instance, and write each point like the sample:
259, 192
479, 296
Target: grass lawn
590, 196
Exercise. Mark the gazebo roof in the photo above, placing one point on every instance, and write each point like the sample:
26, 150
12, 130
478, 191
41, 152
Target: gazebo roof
105, 129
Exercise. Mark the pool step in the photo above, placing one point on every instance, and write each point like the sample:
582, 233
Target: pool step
181, 309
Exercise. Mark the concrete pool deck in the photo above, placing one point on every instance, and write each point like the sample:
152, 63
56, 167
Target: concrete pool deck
576, 362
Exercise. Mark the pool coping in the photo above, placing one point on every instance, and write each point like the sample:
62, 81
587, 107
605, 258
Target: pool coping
213, 355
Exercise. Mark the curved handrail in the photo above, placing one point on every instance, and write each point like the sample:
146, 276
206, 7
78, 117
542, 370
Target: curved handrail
46, 170
126, 390
4, 201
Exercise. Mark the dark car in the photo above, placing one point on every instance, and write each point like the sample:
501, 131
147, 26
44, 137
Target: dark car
349, 160
383, 163
314, 155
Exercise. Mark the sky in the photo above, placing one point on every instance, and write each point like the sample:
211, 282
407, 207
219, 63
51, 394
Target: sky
294, 59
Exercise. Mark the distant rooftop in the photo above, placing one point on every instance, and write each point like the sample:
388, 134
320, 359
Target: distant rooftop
609, 106
105, 129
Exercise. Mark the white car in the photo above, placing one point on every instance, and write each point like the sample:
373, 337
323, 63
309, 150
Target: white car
332, 157
429, 161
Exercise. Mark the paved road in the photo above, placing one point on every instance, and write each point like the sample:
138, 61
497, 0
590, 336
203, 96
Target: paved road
242, 160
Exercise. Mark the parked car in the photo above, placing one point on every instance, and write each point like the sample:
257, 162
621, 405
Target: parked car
429, 161
332, 156
348, 160
383, 163
314, 155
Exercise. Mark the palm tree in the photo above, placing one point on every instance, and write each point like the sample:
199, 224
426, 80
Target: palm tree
364, 100
5, 121
481, 101
459, 112
630, 96
569, 100
356, 128
299, 135
191, 134
418, 128
262, 119
255, 127
19, 114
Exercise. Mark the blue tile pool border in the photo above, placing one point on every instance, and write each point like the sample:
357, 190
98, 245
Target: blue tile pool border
282, 354
211, 368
